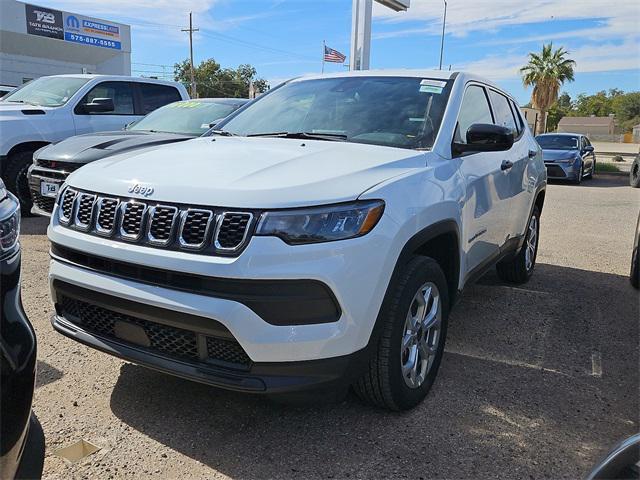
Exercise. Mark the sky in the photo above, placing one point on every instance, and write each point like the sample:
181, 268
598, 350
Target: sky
283, 38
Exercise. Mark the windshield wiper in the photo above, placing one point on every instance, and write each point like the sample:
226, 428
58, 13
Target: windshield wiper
224, 133
304, 135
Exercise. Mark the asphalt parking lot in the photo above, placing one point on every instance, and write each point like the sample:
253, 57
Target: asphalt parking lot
537, 381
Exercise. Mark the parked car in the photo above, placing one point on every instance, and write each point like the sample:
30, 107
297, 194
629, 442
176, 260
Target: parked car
568, 156
49, 109
172, 123
316, 240
621, 463
4, 89
21, 437
634, 174
634, 276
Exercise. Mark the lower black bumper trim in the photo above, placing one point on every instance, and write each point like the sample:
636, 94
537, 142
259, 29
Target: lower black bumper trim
263, 377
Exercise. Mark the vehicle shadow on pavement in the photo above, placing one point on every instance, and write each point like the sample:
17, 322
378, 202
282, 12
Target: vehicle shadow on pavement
34, 225
517, 396
46, 374
601, 180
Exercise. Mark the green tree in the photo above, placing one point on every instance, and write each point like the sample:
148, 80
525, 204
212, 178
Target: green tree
546, 72
214, 81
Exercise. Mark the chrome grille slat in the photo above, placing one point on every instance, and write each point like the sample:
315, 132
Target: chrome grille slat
201, 230
232, 230
67, 202
162, 219
106, 215
132, 215
84, 211
194, 227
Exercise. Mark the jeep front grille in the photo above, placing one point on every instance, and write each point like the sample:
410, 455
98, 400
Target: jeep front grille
177, 227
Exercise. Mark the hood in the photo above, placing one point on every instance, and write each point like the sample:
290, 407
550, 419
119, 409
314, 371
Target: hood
18, 110
242, 172
559, 154
94, 146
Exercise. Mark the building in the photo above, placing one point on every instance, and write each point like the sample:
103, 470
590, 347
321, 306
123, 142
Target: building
531, 115
37, 41
587, 125
636, 133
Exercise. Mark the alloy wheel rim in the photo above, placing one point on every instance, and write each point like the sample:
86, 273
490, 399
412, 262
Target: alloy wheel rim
421, 335
531, 243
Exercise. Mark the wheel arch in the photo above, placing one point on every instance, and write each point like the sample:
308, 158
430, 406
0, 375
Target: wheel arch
26, 147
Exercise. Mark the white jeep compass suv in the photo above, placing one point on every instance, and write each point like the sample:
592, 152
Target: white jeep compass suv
316, 240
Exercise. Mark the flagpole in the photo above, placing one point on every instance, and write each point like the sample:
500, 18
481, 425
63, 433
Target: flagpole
324, 46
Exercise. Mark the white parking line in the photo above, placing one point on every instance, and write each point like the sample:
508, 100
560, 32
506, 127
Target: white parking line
596, 364
525, 290
512, 363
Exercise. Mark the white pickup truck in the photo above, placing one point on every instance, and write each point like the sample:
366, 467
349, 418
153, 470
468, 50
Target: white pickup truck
50, 109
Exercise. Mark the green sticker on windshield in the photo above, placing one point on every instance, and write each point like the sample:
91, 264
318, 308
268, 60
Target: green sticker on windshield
430, 89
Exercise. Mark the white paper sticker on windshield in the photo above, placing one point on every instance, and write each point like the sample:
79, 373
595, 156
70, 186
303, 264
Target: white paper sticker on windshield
433, 83
205, 125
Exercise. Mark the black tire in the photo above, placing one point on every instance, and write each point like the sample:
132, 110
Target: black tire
578, 179
634, 176
592, 171
383, 384
515, 269
16, 179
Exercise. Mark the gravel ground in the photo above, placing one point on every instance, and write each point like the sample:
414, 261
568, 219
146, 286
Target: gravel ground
537, 381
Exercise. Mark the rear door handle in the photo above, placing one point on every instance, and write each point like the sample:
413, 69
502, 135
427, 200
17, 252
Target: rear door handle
506, 165
532, 153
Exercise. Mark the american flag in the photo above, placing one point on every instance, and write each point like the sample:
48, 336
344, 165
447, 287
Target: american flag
331, 55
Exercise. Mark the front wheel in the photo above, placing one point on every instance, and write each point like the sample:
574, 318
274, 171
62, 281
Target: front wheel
405, 359
592, 170
578, 179
16, 179
634, 176
520, 268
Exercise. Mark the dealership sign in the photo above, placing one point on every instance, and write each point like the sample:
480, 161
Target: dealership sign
47, 22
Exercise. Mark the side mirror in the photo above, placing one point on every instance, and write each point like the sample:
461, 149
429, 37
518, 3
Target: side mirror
485, 137
589, 148
99, 105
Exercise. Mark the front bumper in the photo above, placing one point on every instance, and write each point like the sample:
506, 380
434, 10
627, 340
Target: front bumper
561, 171
148, 336
43, 205
355, 271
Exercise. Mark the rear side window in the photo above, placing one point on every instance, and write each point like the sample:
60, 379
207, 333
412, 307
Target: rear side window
156, 96
120, 92
518, 115
474, 109
502, 111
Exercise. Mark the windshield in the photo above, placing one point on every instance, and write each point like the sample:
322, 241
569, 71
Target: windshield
189, 117
558, 142
47, 91
392, 111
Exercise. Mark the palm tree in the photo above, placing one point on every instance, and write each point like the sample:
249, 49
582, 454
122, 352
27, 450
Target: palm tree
546, 72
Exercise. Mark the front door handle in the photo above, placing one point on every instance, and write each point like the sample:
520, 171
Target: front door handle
506, 165
532, 153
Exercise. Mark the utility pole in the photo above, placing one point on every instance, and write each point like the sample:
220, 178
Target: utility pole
444, 22
191, 30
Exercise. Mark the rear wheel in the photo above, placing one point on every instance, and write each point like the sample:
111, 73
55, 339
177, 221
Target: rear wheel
16, 179
407, 355
520, 268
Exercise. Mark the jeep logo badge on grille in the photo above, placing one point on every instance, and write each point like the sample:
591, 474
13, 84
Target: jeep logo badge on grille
139, 189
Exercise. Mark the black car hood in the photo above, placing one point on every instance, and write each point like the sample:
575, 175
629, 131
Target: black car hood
94, 146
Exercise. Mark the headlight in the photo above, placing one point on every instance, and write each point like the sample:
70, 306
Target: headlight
9, 231
322, 224
567, 160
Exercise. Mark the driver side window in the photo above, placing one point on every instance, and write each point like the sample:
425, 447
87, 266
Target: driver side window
120, 92
475, 109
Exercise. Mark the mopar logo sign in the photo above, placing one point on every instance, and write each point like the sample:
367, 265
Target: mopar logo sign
73, 22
